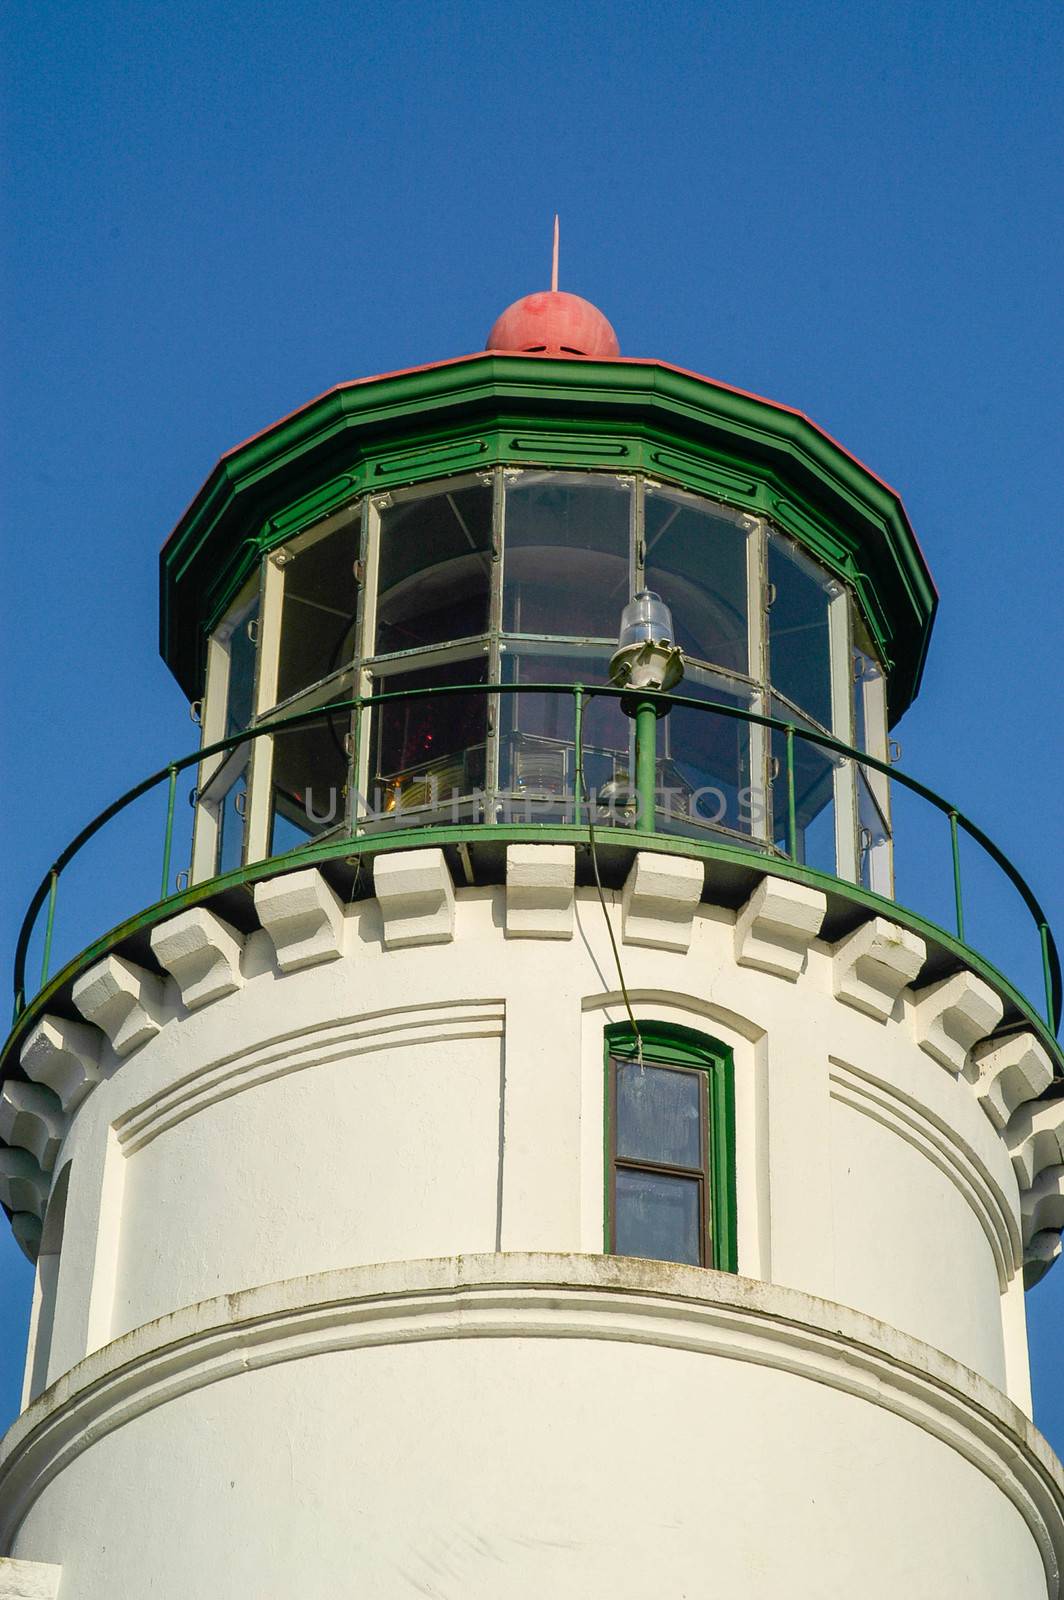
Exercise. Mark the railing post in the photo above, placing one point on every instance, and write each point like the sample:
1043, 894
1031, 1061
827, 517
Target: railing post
578, 747
646, 762
49, 926
1047, 975
958, 898
168, 839
792, 804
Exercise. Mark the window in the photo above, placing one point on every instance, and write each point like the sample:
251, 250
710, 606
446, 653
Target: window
670, 1139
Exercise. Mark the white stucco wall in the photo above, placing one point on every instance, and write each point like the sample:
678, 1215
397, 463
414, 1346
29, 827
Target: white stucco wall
408, 1079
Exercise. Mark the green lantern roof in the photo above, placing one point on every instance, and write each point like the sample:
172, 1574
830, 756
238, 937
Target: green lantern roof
620, 415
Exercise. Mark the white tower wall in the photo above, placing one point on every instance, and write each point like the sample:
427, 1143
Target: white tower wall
332, 1311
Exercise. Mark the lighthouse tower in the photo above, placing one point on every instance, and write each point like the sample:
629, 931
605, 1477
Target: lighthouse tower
540, 1141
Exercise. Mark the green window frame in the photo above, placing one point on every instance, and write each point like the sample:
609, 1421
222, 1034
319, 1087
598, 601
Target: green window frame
670, 1045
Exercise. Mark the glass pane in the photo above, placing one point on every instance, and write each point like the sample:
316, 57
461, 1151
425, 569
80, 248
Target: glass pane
231, 825
310, 769
567, 569
657, 1215
240, 697
435, 568
873, 840
659, 1114
537, 757
799, 644
814, 797
704, 765
427, 748
318, 612
696, 561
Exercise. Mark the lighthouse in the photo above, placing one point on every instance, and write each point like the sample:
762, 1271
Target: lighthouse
533, 1136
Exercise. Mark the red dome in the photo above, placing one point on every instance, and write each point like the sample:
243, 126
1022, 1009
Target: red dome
554, 323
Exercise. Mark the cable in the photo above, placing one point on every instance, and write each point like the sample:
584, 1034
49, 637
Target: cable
606, 918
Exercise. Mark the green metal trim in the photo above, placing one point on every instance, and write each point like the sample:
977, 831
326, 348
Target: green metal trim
673, 1044
1051, 964
527, 833
520, 410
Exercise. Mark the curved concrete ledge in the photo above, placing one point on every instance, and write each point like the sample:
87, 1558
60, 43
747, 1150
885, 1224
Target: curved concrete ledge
303, 923
541, 1296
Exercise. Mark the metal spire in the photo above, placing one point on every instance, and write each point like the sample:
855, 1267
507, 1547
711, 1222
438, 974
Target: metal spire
554, 259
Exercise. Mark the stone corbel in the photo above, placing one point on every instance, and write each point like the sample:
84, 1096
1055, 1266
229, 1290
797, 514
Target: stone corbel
1039, 1256
65, 1057
1006, 1072
540, 889
951, 1017
201, 953
658, 903
776, 926
303, 917
23, 1184
1035, 1138
31, 1117
874, 963
124, 1000
28, 1230
1042, 1205
416, 897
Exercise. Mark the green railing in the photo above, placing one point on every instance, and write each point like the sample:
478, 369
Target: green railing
583, 806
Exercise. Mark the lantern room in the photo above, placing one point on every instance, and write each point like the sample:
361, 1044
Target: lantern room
408, 594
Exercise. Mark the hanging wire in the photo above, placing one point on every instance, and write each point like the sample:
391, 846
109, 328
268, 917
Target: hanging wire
606, 916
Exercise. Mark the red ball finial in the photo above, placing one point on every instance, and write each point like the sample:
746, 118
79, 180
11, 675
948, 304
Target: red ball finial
554, 323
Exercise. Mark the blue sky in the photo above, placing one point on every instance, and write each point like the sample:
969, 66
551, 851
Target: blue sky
215, 211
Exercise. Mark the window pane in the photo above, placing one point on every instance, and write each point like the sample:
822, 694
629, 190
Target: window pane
537, 749
659, 1115
240, 698
231, 825
696, 561
310, 768
428, 747
435, 569
657, 1215
567, 568
814, 797
705, 773
318, 613
799, 644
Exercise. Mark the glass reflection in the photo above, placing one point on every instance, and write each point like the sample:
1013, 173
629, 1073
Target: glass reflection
696, 560
567, 554
309, 785
434, 568
659, 1115
240, 687
318, 610
657, 1216
428, 748
814, 797
537, 756
799, 638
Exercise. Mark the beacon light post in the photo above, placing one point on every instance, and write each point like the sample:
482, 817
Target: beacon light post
646, 659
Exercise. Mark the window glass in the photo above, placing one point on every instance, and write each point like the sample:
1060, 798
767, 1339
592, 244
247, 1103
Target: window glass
658, 1216
704, 758
814, 796
567, 554
537, 756
434, 581
318, 610
231, 825
659, 1115
428, 747
799, 642
873, 854
310, 772
240, 689
696, 560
